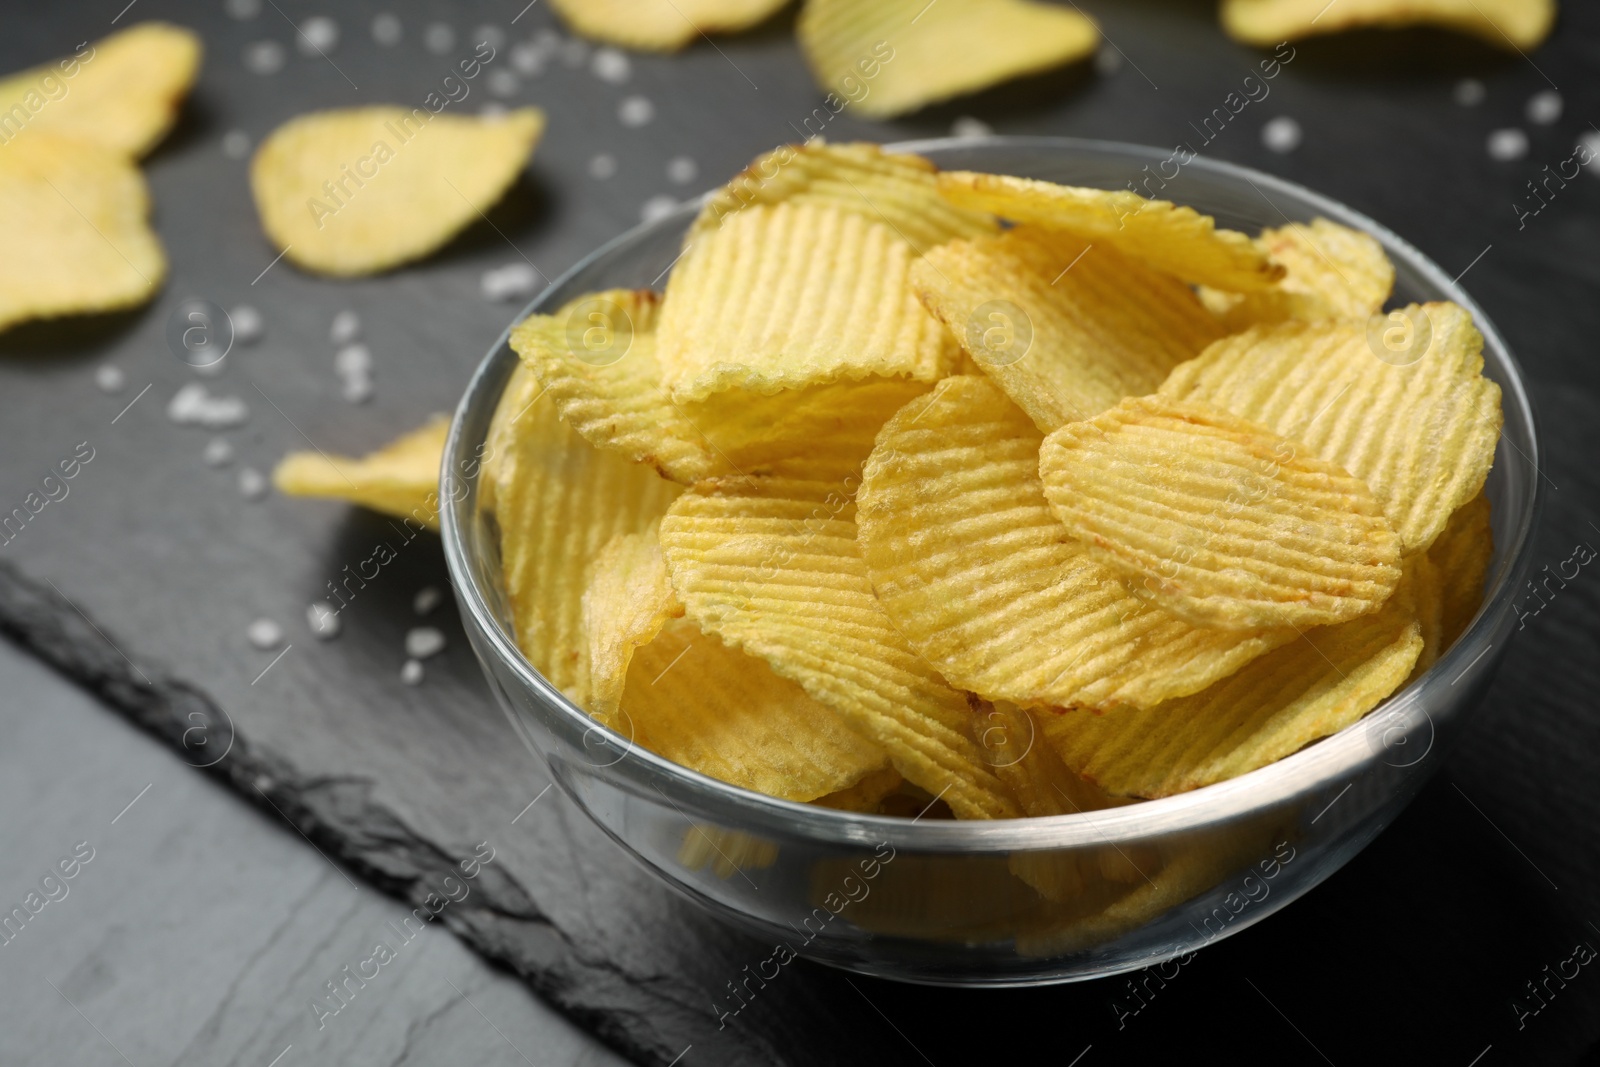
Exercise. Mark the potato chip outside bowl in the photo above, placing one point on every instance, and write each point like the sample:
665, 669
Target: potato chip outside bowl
940, 901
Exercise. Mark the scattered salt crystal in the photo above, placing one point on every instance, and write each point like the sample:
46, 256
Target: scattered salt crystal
528, 59
657, 207
252, 483
411, 672
386, 30
682, 170
611, 65
218, 453
1544, 108
1507, 145
603, 166
1469, 92
967, 126
509, 282
235, 144
636, 111
491, 35
1281, 135
357, 389
346, 327
193, 405
504, 82
317, 36
247, 324
574, 53
109, 378
1107, 61
439, 38
244, 9
424, 641
263, 57
426, 600
353, 359
265, 634
323, 618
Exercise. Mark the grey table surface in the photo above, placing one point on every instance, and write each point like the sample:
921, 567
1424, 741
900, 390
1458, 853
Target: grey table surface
203, 927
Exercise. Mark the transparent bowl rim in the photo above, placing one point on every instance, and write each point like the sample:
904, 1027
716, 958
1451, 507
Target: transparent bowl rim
1331, 760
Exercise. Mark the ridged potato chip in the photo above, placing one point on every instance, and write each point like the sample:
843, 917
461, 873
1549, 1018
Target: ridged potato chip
716, 710
899, 189
1066, 328
121, 93
1013, 744
77, 237
1333, 272
1517, 24
771, 566
983, 580
660, 25
558, 502
1310, 688
866, 795
401, 478
794, 295
628, 601
893, 56
1399, 401
1427, 586
1168, 237
360, 190
1462, 555
1218, 519
598, 363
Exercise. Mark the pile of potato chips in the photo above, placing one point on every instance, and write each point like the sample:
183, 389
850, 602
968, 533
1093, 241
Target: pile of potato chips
73, 205
1025, 498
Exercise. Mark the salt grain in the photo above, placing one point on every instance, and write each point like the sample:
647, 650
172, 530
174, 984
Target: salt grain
264, 634
318, 35
243, 9
491, 35
346, 327
636, 111
193, 405
657, 207
411, 673
252, 483
263, 57
426, 600
1281, 135
1507, 145
247, 324
218, 453
682, 171
509, 282
1544, 108
611, 65
967, 126
109, 378
528, 60
386, 30
603, 166
1107, 61
424, 641
439, 38
235, 144
503, 82
323, 619
1469, 92
575, 53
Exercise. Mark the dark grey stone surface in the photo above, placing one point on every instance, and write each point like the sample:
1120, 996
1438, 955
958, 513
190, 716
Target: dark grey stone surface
1414, 952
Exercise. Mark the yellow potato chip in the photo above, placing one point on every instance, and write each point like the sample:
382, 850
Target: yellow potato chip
1399, 401
1516, 24
628, 601
984, 581
1333, 272
76, 236
716, 710
898, 189
1011, 742
1462, 555
893, 56
121, 93
660, 25
1312, 687
794, 295
1427, 585
866, 795
1218, 519
401, 478
726, 852
598, 363
1066, 328
1168, 237
558, 502
360, 190
771, 566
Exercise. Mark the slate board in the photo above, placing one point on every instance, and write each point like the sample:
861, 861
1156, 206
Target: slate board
1416, 950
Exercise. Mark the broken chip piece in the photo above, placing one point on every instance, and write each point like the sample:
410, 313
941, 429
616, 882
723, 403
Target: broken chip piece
400, 479
661, 25
1516, 24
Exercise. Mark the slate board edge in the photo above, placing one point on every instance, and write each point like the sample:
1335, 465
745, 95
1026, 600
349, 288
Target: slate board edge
337, 815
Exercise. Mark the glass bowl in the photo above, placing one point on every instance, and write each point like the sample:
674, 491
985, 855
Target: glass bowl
940, 901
